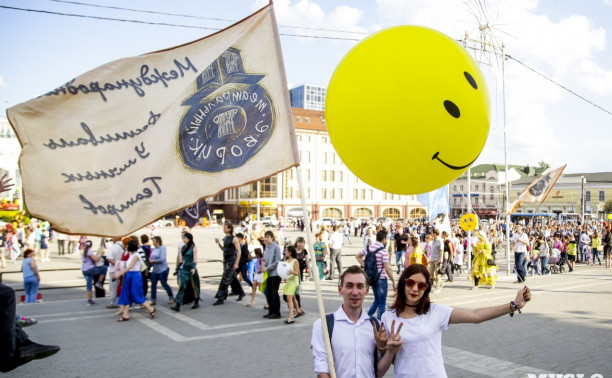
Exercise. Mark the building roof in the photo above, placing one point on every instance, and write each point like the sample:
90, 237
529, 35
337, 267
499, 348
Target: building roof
308, 119
523, 170
590, 177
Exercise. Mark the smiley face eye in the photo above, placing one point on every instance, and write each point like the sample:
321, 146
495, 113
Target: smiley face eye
452, 109
470, 80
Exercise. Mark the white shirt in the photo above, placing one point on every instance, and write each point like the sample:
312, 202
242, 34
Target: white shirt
114, 252
335, 240
520, 242
137, 265
421, 353
352, 346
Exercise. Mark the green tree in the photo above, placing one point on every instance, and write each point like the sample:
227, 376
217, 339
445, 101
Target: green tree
608, 207
544, 164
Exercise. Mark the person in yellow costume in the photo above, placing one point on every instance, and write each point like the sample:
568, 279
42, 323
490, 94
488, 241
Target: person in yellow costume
483, 273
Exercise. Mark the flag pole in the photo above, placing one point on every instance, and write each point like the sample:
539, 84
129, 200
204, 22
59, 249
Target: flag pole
315, 273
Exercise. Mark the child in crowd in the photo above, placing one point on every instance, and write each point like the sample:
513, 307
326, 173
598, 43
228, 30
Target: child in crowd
259, 268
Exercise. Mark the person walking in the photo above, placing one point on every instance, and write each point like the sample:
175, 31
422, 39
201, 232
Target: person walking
272, 256
189, 288
160, 270
31, 276
132, 290
320, 251
435, 262
520, 241
335, 252
91, 271
484, 268
382, 265
231, 257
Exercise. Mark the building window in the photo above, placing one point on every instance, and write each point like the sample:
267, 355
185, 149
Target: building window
391, 213
362, 194
324, 175
340, 193
267, 189
324, 140
461, 188
476, 187
602, 196
324, 193
333, 158
370, 194
355, 194
324, 157
307, 119
307, 138
492, 196
332, 176
454, 201
454, 188
588, 196
332, 194
340, 176
307, 174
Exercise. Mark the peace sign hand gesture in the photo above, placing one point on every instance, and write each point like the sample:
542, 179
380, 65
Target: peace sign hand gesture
395, 341
380, 336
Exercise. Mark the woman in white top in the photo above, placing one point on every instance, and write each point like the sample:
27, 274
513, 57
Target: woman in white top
421, 324
132, 291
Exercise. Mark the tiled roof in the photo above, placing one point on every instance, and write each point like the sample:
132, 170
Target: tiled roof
308, 119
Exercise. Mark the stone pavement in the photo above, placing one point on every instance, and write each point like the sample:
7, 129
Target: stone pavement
565, 329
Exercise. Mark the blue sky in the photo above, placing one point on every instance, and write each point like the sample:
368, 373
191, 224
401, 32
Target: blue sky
566, 40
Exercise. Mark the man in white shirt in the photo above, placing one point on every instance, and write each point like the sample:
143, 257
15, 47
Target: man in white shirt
335, 252
354, 337
520, 241
113, 255
585, 240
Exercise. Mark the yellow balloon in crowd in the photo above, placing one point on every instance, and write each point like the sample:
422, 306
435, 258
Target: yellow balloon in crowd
609, 216
407, 110
468, 222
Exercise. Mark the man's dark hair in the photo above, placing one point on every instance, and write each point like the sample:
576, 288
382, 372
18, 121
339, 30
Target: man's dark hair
381, 236
240, 235
353, 269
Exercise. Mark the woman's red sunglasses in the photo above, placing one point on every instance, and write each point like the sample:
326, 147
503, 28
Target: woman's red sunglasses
420, 285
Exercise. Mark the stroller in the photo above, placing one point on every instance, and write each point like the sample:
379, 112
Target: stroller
556, 263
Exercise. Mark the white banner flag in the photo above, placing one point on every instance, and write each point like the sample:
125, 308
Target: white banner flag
538, 190
138, 138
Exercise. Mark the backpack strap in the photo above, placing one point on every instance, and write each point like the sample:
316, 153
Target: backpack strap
329, 318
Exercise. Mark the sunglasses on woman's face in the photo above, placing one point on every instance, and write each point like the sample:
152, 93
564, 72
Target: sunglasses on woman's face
420, 285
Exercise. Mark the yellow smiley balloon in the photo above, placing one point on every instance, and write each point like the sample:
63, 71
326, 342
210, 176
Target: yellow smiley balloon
468, 222
407, 110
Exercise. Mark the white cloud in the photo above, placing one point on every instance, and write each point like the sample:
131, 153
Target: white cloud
2, 83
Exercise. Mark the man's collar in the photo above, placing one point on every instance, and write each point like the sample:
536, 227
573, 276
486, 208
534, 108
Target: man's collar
341, 315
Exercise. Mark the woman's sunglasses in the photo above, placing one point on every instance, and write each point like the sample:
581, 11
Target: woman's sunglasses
420, 285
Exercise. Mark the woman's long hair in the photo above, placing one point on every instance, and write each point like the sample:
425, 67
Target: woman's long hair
400, 299
189, 243
88, 245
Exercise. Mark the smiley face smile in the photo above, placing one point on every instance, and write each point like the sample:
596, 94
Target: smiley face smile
451, 166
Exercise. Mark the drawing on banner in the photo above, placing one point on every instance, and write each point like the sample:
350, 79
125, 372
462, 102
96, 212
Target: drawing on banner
229, 119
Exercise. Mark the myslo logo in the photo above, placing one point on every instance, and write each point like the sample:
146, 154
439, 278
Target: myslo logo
570, 375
